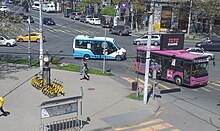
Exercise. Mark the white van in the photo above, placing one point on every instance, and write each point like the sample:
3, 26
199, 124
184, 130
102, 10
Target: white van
49, 7
36, 5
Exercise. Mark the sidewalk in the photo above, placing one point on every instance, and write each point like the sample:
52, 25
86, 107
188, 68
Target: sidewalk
105, 100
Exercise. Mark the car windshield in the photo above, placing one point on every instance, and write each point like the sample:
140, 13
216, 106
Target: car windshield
7, 37
199, 69
117, 46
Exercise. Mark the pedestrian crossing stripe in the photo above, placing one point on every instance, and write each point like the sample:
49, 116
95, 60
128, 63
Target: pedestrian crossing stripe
131, 80
139, 125
195, 90
213, 83
213, 88
156, 127
206, 89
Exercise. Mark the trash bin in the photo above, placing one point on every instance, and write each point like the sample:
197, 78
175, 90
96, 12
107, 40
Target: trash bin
134, 86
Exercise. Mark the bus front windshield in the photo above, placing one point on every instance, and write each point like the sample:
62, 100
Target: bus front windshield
199, 70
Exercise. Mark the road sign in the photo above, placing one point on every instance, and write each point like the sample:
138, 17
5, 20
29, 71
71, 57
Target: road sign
104, 44
145, 18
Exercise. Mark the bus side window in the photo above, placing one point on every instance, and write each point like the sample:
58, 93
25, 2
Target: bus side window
111, 48
81, 44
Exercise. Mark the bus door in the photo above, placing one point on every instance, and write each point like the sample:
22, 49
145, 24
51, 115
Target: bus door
186, 72
164, 66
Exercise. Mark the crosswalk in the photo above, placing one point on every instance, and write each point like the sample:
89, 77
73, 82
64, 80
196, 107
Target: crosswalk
67, 31
151, 125
212, 86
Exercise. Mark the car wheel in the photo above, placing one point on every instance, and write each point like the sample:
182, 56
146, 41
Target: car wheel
138, 42
38, 40
20, 40
8, 44
156, 43
178, 81
110, 31
120, 33
118, 58
86, 56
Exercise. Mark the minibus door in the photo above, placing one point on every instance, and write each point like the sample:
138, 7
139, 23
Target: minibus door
96, 50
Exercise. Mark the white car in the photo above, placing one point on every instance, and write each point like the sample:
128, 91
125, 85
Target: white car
4, 8
155, 40
88, 17
201, 51
95, 21
6, 41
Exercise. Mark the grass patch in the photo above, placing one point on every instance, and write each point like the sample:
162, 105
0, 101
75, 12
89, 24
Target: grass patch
68, 67
135, 97
75, 68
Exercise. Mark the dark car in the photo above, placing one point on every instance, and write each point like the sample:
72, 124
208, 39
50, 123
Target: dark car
25, 18
82, 18
211, 44
120, 30
48, 21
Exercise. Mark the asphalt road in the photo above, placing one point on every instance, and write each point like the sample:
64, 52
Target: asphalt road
193, 105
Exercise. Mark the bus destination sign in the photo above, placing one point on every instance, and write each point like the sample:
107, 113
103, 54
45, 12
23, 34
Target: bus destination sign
171, 41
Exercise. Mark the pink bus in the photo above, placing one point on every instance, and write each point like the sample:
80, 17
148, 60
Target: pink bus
179, 66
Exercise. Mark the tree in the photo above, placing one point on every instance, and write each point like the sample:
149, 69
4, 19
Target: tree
209, 9
108, 10
139, 8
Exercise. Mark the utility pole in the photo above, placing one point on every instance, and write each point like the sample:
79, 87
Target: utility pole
190, 14
132, 16
146, 76
41, 40
104, 46
29, 37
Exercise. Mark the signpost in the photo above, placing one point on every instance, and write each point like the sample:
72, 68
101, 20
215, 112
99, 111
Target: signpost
104, 46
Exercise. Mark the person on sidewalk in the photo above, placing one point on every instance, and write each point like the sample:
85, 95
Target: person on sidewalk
85, 71
81, 69
1, 106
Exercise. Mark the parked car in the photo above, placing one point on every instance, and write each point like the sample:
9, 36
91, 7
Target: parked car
201, 51
7, 41
82, 18
35, 36
36, 5
155, 40
95, 21
48, 21
210, 44
26, 18
120, 30
4, 8
88, 17
75, 15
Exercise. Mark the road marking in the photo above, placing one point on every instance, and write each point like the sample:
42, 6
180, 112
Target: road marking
175, 130
206, 89
128, 79
141, 124
156, 127
195, 89
213, 88
66, 30
61, 30
213, 83
79, 31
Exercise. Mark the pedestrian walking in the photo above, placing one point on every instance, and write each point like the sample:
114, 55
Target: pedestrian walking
81, 69
1, 106
85, 71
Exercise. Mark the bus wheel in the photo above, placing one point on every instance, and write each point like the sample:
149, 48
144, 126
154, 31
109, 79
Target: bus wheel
120, 33
118, 58
178, 80
138, 42
86, 57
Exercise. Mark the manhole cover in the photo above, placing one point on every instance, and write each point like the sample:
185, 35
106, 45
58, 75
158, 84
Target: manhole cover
91, 89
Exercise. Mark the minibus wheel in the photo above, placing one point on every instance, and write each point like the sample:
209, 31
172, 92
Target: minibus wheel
118, 58
87, 57
178, 80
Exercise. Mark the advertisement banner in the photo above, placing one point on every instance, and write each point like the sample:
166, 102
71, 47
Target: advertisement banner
171, 41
